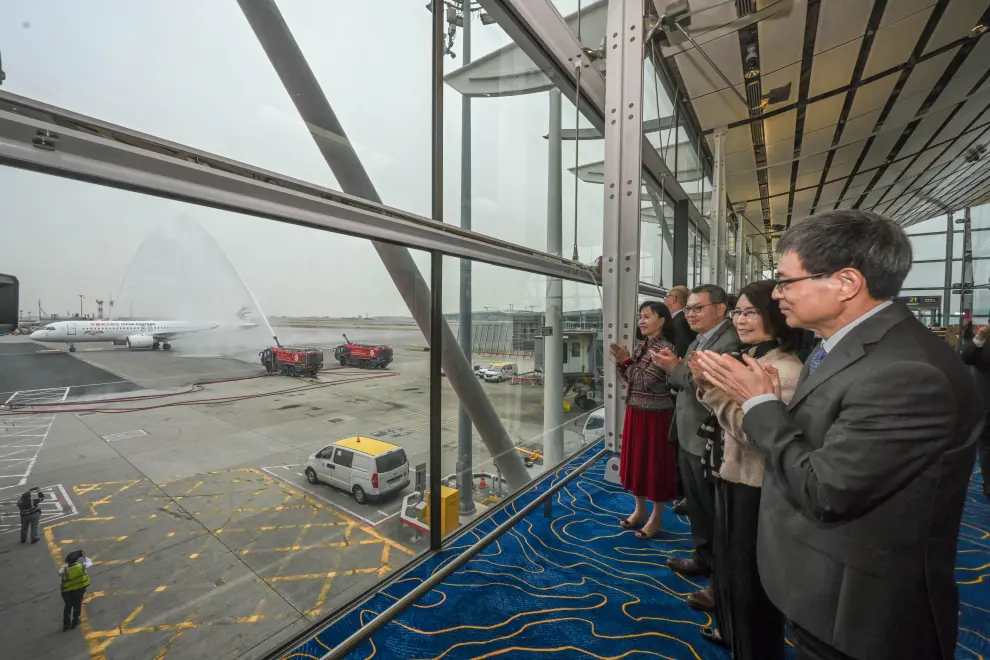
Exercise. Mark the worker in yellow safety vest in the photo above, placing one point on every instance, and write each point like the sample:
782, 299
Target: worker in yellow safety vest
75, 579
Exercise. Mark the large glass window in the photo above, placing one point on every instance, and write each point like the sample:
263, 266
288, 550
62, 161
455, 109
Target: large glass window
511, 338
187, 455
161, 69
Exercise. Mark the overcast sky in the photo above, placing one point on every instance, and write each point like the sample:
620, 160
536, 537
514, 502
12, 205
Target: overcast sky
193, 72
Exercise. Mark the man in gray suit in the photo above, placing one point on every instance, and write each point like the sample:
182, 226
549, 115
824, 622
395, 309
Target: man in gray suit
705, 313
867, 467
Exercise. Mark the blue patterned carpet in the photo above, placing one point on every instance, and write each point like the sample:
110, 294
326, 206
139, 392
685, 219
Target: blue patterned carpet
579, 586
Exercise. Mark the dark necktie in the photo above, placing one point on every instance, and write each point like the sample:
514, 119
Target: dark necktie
816, 359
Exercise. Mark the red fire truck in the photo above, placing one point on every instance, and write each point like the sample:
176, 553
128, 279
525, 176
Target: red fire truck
290, 361
365, 356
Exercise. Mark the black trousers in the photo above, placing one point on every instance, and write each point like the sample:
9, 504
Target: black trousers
985, 455
809, 647
73, 606
746, 618
700, 494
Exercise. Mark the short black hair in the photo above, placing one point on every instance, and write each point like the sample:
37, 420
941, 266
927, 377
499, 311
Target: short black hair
716, 294
875, 246
661, 310
760, 296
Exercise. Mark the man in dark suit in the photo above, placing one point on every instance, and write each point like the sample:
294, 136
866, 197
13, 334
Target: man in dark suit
976, 353
676, 300
705, 312
867, 467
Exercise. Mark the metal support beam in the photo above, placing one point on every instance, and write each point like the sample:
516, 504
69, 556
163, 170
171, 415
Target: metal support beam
966, 306
437, 323
553, 346
740, 265
680, 250
91, 150
716, 256
293, 70
465, 431
623, 167
947, 293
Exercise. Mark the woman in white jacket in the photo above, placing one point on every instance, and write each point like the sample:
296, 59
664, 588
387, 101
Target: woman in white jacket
747, 621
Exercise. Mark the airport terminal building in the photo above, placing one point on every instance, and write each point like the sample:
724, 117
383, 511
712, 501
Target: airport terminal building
290, 251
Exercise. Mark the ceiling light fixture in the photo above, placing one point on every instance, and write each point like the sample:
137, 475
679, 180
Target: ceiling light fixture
979, 28
751, 62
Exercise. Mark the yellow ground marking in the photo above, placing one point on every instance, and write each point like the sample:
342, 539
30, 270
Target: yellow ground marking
287, 498
314, 502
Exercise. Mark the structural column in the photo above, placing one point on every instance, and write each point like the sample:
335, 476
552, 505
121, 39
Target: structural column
465, 458
623, 165
716, 256
740, 265
966, 308
680, 243
553, 358
950, 228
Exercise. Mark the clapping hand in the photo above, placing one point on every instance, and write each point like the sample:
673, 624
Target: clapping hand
740, 381
983, 333
699, 374
665, 358
620, 353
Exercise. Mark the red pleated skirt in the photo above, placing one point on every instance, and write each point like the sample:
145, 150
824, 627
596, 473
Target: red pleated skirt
648, 465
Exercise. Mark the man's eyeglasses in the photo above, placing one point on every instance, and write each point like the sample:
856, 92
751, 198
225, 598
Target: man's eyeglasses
744, 313
696, 309
783, 283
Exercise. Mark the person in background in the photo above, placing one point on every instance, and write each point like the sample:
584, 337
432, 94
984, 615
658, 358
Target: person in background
747, 622
29, 506
705, 312
976, 354
75, 579
868, 466
676, 300
648, 464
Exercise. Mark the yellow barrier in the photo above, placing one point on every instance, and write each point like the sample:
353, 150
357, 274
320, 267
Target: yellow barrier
450, 502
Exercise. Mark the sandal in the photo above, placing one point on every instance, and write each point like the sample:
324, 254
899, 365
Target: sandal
625, 523
644, 536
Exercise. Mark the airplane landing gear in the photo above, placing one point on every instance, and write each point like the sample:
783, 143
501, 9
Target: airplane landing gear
166, 346
154, 346
72, 348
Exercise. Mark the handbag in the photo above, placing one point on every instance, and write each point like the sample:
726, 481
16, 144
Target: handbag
711, 459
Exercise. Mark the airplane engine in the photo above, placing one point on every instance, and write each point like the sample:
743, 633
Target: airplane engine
140, 341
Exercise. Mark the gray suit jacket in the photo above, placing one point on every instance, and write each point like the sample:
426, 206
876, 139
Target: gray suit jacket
689, 412
866, 477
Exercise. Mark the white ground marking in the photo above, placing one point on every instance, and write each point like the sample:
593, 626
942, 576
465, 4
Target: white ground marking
23, 434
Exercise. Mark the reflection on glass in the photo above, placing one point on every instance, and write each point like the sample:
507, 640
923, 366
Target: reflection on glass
509, 351
228, 472
928, 247
498, 172
223, 95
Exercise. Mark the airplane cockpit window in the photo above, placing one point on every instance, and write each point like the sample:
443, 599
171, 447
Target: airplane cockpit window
51, 327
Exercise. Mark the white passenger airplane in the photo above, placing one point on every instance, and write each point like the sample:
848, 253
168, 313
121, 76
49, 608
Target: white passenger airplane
133, 334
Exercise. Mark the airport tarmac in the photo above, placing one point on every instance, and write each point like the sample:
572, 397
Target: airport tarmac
206, 538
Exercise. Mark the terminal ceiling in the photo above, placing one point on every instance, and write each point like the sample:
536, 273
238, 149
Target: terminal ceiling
887, 107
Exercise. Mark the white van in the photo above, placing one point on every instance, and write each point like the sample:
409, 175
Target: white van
500, 371
367, 468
